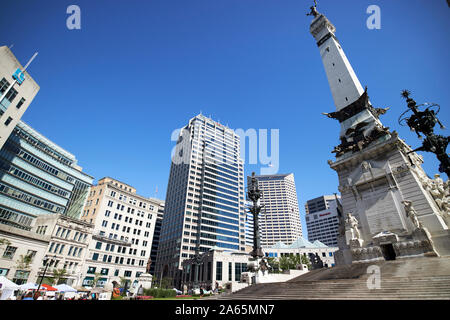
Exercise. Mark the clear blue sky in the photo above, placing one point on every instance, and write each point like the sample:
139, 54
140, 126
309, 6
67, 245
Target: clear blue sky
113, 92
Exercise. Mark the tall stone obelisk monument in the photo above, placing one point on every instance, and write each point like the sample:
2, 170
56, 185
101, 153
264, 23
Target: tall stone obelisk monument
389, 209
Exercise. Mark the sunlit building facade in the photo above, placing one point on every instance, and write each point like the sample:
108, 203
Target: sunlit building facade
207, 178
38, 177
279, 219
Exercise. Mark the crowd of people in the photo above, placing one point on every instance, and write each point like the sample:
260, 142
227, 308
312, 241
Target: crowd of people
32, 295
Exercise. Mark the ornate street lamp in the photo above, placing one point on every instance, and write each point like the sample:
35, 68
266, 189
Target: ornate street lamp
254, 194
47, 260
424, 122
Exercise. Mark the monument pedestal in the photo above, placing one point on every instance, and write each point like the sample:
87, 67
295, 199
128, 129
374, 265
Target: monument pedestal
145, 280
374, 182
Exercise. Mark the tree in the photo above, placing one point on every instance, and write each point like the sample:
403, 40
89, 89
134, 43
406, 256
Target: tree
97, 277
285, 263
305, 260
123, 280
24, 261
274, 265
292, 261
4, 242
59, 274
166, 283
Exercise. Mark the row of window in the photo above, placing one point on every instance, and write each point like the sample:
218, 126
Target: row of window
64, 233
22, 196
33, 180
58, 248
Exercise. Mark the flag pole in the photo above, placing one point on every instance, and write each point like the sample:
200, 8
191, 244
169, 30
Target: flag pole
15, 80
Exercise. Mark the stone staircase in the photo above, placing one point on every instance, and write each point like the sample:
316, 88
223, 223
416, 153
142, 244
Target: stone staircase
413, 278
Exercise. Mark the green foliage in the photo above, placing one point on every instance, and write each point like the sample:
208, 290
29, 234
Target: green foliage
160, 293
274, 265
284, 263
59, 275
305, 260
24, 262
292, 261
4, 242
164, 283
48, 280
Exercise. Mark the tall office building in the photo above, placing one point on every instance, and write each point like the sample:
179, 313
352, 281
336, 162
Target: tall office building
322, 219
38, 177
156, 235
20, 90
123, 231
280, 217
207, 180
249, 229
320, 203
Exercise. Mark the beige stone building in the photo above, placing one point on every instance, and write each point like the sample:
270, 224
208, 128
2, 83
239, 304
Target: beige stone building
121, 243
67, 248
16, 244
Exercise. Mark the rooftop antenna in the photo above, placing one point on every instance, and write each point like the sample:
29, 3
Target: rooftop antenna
11, 46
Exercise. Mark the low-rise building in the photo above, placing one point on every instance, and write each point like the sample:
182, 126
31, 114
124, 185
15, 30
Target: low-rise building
216, 268
305, 248
220, 268
15, 245
69, 240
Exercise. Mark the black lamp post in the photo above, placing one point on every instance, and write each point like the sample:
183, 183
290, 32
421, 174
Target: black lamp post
46, 263
424, 122
254, 194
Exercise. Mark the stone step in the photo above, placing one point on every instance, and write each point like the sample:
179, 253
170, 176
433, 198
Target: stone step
358, 286
418, 278
367, 291
428, 297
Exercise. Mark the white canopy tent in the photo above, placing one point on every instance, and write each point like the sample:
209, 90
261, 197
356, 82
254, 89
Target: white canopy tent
28, 286
7, 288
68, 291
64, 288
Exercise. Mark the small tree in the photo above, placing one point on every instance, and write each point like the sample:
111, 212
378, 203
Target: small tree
59, 274
24, 262
97, 277
166, 283
4, 242
285, 263
274, 265
305, 260
296, 260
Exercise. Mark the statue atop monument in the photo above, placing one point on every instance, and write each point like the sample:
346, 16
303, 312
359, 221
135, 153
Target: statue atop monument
314, 11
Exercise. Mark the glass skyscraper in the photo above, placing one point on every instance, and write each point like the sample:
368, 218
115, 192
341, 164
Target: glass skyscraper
207, 181
38, 177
